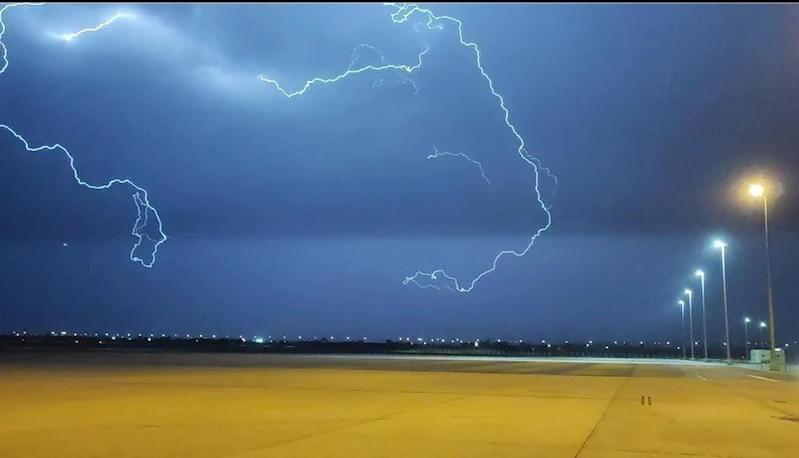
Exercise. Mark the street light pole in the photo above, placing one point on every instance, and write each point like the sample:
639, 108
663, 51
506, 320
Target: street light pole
691, 318
746, 336
701, 276
774, 365
722, 246
757, 190
682, 337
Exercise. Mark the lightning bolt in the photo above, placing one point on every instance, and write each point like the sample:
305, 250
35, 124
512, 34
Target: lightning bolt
140, 196
446, 153
402, 13
356, 55
3, 49
349, 72
100, 26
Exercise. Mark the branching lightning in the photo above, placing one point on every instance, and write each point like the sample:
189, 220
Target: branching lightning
349, 72
401, 14
446, 153
97, 28
140, 196
356, 56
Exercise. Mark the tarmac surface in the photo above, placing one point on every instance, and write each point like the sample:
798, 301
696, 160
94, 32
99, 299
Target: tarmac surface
125, 405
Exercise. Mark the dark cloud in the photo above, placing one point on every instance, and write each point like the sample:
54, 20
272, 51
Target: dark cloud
646, 113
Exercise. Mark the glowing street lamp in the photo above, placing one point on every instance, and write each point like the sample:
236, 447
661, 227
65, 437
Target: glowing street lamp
757, 190
682, 309
691, 317
721, 245
762, 326
701, 276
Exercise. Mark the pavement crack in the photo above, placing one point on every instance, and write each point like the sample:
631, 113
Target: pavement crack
622, 385
341, 428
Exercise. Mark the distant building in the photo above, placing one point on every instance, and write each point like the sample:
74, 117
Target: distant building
759, 356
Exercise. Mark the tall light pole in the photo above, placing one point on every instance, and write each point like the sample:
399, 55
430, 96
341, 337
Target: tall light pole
757, 190
746, 335
701, 276
721, 245
691, 318
682, 337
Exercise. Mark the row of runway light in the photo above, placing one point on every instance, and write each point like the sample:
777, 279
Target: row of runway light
363, 339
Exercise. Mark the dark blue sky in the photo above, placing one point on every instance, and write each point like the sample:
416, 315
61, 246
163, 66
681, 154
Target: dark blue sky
303, 216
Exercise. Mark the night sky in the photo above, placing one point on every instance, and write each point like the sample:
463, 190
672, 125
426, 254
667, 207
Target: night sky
303, 216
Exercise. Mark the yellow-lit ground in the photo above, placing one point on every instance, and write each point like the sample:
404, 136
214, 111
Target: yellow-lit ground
248, 406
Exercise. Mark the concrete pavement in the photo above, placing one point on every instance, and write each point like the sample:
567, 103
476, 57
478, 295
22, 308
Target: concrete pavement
177, 406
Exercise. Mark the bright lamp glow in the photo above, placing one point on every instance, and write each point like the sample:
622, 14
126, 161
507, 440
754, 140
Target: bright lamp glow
682, 303
699, 273
719, 244
688, 292
756, 190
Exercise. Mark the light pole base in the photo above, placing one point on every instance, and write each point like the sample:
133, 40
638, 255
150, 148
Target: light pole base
775, 366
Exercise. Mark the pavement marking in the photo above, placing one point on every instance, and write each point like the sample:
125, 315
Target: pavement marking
702, 378
764, 378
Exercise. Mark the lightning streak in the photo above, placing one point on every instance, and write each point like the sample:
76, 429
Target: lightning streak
350, 71
356, 55
477, 163
3, 49
140, 196
102, 25
402, 13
